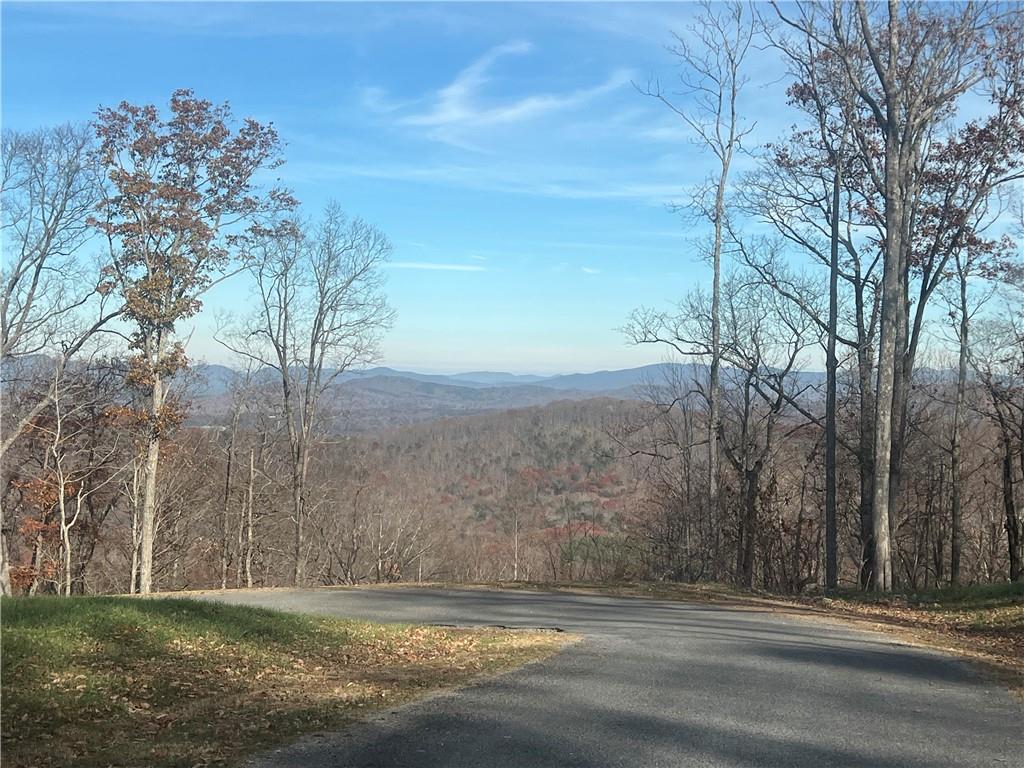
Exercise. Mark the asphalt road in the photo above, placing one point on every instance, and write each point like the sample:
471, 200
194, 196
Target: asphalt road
669, 684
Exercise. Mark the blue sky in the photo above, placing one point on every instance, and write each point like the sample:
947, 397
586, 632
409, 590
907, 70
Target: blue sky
502, 147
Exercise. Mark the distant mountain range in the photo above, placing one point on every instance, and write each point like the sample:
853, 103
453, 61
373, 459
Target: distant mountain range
377, 398
218, 378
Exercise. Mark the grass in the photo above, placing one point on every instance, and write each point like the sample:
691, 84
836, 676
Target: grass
946, 600
107, 681
984, 622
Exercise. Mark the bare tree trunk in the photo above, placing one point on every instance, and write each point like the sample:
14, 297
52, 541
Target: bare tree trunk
1011, 519
831, 369
515, 544
299, 508
956, 538
37, 564
380, 546
148, 518
5, 572
65, 536
133, 579
902, 372
882, 566
64, 575
714, 393
225, 540
748, 526
133, 582
248, 519
890, 320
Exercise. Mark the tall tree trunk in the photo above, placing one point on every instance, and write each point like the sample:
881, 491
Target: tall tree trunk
37, 564
716, 352
298, 512
148, 516
133, 581
65, 540
515, 543
299, 506
225, 531
887, 361
831, 369
956, 537
866, 453
1011, 519
888, 349
248, 518
748, 526
902, 372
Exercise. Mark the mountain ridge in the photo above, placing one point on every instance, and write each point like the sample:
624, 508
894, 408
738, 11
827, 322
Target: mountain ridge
381, 397
218, 377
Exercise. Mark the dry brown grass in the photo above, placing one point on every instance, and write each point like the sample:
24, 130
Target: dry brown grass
118, 682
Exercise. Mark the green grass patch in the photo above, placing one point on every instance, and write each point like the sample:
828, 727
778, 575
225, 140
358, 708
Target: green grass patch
979, 608
107, 681
976, 597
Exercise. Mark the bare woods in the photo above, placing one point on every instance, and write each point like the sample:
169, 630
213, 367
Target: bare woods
875, 236
848, 408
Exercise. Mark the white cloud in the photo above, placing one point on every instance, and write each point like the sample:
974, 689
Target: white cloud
567, 183
459, 105
590, 271
454, 101
377, 100
430, 265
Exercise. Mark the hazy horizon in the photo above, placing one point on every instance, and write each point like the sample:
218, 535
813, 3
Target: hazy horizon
504, 150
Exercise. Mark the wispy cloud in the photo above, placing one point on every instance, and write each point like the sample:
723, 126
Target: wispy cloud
550, 181
461, 105
377, 100
431, 265
590, 271
454, 102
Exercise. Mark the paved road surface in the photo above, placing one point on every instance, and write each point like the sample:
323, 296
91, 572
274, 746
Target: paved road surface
669, 684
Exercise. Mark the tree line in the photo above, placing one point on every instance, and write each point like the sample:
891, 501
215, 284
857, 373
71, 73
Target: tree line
113, 235
876, 234
875, 238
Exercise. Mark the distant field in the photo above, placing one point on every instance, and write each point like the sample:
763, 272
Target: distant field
107, 681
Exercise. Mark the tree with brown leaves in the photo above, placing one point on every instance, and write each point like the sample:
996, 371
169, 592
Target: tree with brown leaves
182, 208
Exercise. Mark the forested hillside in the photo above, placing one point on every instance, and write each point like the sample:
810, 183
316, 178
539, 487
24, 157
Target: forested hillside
535, 493
843, 402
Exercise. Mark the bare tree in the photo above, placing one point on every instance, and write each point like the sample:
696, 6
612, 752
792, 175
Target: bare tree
711, 55
1000, 366
802, 191
904, 69
321, 312
68, 465
983, 260
50, 187
79, 468
52, 301
764, 340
